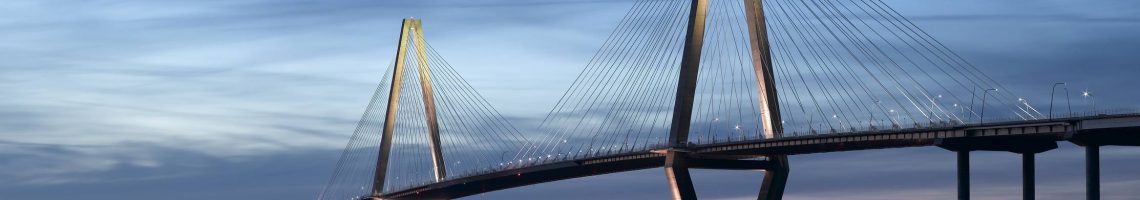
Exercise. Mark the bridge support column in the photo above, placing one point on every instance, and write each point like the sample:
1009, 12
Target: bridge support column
964, 175
1092, 140
677, 170
1092, 172
775, 179
1025, 145
676, 167
1028, 176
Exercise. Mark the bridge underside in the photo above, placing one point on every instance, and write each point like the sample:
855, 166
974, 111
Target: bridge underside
568, 170
531, 175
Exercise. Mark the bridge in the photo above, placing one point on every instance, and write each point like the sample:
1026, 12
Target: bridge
752, 82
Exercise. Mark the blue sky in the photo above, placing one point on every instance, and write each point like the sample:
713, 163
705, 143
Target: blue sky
253, 99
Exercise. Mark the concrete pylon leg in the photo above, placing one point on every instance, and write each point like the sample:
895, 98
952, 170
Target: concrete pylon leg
963, 175
1028, 176
775, 179
1092, 172
680, 182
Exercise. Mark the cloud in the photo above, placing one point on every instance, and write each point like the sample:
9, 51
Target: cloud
254, 99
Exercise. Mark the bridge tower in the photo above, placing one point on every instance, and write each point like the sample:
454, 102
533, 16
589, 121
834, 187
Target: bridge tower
677, 159
411, 33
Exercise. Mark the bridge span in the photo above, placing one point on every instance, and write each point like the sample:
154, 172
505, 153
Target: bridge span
712, 84
1023, 137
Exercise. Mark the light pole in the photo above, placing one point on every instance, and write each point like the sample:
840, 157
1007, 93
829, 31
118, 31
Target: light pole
1021, 100
881, 108
1029, 110
973, 92
1068, 101
895, 124
871, 123
960, 111
934, 102
982, 116
1052, 93
1088, 96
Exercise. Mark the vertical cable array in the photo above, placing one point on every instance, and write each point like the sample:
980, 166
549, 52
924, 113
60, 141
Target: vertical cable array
857, 65
841, 66
352, 174
476, 138
473, 136
621, 101
726, 103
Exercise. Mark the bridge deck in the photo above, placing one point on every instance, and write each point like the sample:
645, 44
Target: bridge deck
1103, 129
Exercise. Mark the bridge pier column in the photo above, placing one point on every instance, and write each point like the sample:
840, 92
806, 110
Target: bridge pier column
1028, 176
1024, 145
1092, 140
680, 182
964, 175
1092, 172
775, 179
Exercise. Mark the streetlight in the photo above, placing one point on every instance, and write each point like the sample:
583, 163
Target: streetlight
1029, 110
1088, 95
1054, 92
960, 110
877, 103
1022, 101
895, 123
982, 117
935, 102
503, 156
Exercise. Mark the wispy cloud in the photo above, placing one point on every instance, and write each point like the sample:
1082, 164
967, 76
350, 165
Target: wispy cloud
253, 99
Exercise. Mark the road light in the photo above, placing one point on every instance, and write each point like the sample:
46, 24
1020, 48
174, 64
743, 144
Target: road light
1054, 92
1088, 96
960, 110
936, 101
503, 156
1024, 102
982, 116
897, 119
872, 122
1029, 110
1020, 101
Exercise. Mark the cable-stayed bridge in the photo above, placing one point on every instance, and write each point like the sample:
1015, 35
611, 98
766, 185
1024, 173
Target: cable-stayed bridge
711, 84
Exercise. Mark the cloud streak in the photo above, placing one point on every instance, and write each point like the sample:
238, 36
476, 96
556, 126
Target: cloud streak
253, 99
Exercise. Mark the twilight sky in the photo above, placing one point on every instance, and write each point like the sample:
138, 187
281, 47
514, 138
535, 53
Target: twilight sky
253, 99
